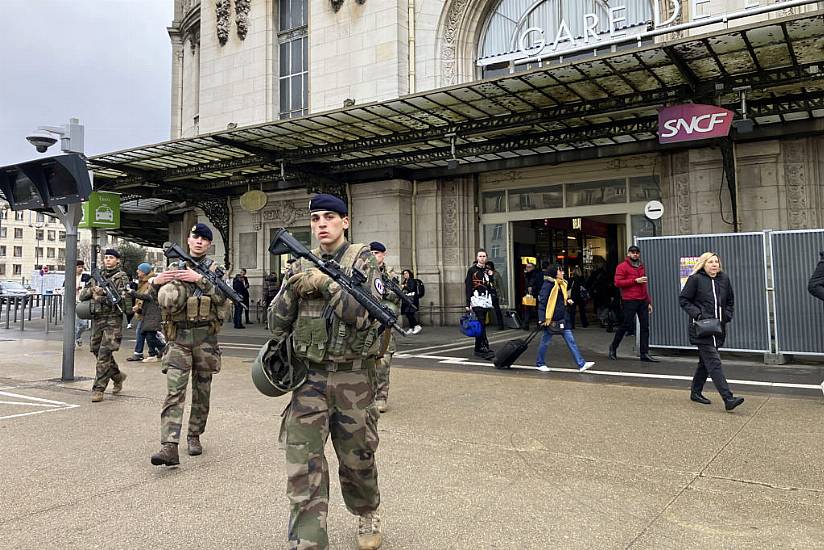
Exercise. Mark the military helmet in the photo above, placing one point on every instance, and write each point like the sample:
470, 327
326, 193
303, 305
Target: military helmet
83, 310
275, 371
172, 296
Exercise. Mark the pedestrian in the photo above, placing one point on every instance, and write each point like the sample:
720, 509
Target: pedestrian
392, 301
338, 397
598, 285
708, 294
580, 297
270, 287
412, 288
553, 317
81, 278
193, 311
631, 279
240, 287
140, 338
148, 312
107, 326
497, 288
245, 295
816, 284
534, 280
479, 300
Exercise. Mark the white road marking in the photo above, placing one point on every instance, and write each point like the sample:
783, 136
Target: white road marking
447, 360
495, 340
50, 405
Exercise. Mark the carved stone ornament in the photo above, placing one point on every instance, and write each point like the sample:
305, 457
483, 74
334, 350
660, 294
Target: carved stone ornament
194, 40
222, 9
284, 213
336, 4
242, 8
795, 176
457, 10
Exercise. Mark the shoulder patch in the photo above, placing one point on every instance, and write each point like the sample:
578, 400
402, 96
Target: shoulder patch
379, 285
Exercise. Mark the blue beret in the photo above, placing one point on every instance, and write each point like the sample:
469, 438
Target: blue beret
112, 252
328, 203
202, 230
377, 247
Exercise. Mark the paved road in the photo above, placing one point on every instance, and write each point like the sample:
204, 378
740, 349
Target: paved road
470, 458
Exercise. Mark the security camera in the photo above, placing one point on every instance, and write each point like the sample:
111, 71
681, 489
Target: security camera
41, 140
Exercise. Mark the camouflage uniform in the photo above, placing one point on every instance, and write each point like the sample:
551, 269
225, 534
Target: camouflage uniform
107, 326
391, 300
339, 343
192, 317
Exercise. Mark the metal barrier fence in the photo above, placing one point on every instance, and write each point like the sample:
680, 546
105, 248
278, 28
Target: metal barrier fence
799, 317
20, 309
759, 264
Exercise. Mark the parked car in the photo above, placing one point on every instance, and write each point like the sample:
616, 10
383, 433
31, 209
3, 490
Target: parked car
12, 288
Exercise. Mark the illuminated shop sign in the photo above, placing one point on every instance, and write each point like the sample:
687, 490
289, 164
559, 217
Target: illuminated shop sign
692, 122
572, 28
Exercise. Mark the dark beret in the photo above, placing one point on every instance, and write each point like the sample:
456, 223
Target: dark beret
375, 246
328, 203
112, 252
202, 230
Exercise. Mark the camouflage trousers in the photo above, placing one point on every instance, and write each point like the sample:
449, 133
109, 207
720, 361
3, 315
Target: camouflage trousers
382, 377
198, 355
106, 335
341, 404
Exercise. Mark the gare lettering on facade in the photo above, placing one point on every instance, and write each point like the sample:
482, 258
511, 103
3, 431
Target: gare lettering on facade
692, 122
604, 23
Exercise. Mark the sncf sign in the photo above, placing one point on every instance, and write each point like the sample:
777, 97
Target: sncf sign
691, 122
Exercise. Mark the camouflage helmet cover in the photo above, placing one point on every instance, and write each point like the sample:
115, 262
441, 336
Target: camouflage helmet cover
172, 296
275, 371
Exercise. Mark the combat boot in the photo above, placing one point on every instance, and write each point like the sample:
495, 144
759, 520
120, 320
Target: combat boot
97, 396
369, 531
381, 404
117, 387
195, 448
166, 456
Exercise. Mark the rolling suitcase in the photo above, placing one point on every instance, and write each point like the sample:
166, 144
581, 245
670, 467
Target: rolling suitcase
510, 351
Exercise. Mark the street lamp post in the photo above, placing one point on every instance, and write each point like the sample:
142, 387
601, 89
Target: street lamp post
71, 141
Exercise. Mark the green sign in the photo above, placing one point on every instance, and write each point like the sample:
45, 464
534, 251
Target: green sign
102, 211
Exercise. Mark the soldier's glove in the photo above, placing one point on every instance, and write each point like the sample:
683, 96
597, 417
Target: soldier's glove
99, 291
311, 283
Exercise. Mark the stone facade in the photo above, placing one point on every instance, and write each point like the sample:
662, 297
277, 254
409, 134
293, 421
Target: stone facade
225, 73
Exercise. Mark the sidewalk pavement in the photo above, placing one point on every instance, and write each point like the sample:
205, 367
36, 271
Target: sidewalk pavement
468, 459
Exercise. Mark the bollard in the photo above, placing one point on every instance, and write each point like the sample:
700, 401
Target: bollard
22, 313
8, 311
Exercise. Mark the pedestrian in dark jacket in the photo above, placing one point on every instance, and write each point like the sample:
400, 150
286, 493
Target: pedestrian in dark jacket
411, 288
816, 284
533, 281
580, 296
239, 286
497, 289
479, 300
708, 294
631, 278
148, 311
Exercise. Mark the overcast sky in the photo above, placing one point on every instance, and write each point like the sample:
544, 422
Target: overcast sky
106, 62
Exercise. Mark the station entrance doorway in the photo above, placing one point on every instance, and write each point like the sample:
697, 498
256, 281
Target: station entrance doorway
585, 243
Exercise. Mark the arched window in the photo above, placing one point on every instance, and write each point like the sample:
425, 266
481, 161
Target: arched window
508, 26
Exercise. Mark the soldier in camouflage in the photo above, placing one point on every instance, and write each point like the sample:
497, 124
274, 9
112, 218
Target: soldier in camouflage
334, 336
107, 321
193, 311
392, 301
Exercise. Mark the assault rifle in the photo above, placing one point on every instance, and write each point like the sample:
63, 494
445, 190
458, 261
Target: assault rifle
112, 295
173, 251
284, 243
392, 284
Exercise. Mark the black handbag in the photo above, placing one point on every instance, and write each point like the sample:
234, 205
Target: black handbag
704, 328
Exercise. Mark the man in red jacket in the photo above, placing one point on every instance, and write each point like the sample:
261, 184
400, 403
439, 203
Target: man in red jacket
631, 278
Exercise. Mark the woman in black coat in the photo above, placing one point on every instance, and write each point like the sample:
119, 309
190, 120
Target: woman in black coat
707, 294
412, 290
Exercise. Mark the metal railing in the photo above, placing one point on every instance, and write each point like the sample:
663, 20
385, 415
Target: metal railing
16, 309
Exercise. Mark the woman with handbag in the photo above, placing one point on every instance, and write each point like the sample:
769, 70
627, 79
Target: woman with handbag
479, 300
708, 299
552, 316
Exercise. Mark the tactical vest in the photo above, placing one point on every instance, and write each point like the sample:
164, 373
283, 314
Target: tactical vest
320, 336
103, 309
388, 339
191, 309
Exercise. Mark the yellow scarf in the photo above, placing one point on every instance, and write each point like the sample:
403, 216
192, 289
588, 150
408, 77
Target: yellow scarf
553, 297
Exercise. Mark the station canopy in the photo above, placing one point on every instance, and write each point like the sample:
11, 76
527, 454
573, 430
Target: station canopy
563, 110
